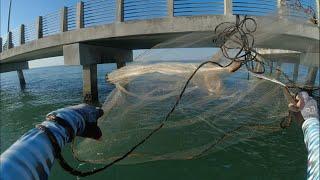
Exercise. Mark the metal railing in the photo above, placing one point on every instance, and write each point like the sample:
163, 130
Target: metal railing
142, 9
15, 37
30, 32
71, 18
254, 7
98, 12
198, 7
51, 23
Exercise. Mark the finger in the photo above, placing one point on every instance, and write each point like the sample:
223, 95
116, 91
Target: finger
293, 107
92, 131
303, 96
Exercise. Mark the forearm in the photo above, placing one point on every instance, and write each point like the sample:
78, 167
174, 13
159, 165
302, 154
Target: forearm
32, 156
311, 132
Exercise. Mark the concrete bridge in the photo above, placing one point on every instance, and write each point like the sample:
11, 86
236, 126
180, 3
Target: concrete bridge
106, 31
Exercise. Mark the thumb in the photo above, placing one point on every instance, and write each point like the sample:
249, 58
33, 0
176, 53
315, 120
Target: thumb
92, 131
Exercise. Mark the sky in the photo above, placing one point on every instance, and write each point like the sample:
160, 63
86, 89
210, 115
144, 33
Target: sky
26, 11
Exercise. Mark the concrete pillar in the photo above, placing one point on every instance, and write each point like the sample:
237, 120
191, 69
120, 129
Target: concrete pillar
278, 67
295, 72
80, 15
39, 32
64, 19
22, 34
120, 11
271, 67
170, 5
228, 7
123, 57
0, 44
312, 75
9, 41
90, 84
7, 67
21, 79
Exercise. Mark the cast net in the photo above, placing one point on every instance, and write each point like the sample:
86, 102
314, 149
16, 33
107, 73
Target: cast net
218, 108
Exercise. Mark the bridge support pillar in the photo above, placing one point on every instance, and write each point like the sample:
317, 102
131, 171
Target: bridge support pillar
21, 79
7, 67
88, 56
90, 84
295, 72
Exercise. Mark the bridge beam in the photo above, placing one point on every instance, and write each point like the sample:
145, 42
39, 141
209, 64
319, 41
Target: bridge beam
89, 56
7, 67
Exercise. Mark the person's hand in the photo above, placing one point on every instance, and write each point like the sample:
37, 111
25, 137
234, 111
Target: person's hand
306, 105
90, 115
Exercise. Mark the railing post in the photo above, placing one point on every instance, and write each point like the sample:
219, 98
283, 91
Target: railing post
80, 15
22, 35
170, 5
279, 7
120, 11
9, 40
64, 19
0, 44
227, 7
318, 11
39, 33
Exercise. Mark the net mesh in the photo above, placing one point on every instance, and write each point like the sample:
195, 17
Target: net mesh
217, 110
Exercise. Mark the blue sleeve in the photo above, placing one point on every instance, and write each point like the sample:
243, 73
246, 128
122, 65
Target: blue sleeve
311, 132
32, 156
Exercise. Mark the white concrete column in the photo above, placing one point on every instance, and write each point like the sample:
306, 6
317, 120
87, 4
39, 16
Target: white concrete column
64, 19
80, 15
22, 34
120, 11
39, 32
170, 6
227, 7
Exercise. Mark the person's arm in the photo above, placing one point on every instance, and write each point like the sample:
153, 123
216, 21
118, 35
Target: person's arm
311, 131
32, 156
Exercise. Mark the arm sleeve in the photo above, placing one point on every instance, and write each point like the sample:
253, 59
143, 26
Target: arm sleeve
311, 130
31, 156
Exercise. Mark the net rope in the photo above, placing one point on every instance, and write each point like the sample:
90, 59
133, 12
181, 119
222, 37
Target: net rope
238, 56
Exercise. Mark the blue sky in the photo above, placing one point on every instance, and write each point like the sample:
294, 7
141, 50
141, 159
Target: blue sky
26, 11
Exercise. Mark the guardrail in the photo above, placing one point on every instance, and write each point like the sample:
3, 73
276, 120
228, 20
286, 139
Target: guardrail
98, 12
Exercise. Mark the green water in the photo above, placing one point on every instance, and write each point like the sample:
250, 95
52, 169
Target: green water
280, 155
